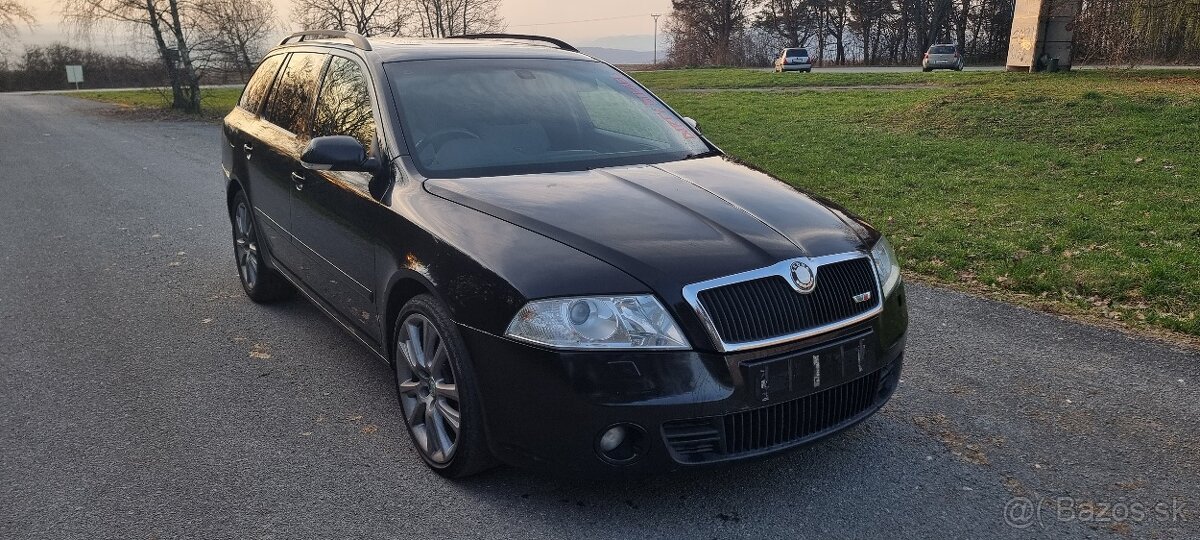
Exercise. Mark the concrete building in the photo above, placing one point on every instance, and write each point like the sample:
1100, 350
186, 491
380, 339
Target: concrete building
1042, 35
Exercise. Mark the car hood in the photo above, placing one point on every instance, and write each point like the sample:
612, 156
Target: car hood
670, 224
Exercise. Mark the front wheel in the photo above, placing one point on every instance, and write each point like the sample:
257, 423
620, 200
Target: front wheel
438, 392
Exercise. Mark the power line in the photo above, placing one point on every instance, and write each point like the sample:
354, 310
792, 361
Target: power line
579, 21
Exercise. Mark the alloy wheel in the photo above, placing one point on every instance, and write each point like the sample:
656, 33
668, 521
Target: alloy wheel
246, 245
428, 389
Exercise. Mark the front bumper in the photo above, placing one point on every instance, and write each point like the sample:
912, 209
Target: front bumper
547, 409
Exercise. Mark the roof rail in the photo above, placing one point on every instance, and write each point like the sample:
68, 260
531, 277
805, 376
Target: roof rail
357, 39
523, 37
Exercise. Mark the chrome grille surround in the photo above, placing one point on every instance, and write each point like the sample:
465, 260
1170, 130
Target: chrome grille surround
781, 269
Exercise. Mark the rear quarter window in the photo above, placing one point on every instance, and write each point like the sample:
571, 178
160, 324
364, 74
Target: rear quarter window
256, 90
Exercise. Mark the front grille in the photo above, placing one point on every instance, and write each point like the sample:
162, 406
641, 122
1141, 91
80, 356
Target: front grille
791, 422
769, 307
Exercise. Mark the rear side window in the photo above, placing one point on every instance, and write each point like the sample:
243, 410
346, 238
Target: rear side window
291, 100
260, 83
344, 105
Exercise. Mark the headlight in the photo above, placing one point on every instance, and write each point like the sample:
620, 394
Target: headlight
599, 322
885, 265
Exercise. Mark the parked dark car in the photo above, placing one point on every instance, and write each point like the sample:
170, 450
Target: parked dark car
563, 272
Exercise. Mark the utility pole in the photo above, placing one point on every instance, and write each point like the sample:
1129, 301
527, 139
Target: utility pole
656, 16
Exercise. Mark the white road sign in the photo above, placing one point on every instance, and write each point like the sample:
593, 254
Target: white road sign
75, 74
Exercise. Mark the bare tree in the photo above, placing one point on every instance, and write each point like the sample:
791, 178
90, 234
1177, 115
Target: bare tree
366, 17
791, 20
166, 23
12, 15
710, 24
445, 18
235, 31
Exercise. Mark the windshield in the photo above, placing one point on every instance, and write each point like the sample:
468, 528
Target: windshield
490, 117
792, 53
942, 49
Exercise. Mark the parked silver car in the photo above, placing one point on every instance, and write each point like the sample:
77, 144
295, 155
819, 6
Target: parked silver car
943, 56
794, 59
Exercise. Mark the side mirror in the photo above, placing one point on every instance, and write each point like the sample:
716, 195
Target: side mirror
337, 153
692, 122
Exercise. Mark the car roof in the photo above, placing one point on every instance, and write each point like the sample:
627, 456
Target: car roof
395, 49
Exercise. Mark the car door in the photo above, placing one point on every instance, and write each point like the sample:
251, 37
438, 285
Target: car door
274, 154
334, 211
245, 130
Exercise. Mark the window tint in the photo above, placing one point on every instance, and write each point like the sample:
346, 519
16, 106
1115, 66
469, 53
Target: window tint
290, 101
260, 83
344, 106
792, 53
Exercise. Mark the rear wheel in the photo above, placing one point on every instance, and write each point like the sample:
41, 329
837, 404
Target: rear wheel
437, 391
261, 283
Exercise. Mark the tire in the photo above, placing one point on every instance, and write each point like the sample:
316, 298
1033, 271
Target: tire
438, 389
262, 283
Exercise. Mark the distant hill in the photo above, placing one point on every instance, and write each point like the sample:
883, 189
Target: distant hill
619, 56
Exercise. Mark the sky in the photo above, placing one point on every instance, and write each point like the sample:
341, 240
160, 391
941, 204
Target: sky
619, 24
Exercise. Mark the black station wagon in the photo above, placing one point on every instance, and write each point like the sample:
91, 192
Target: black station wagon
563, 271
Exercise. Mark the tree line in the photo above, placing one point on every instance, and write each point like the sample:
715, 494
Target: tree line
838, 32
216, 41
43, 68
419, 18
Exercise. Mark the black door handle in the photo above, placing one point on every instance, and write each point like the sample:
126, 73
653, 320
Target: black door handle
298, 179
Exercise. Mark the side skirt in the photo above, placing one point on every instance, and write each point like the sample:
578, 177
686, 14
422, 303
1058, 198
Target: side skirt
366, 340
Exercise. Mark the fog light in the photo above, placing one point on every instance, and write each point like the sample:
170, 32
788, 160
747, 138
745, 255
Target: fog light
612, 438
621, 444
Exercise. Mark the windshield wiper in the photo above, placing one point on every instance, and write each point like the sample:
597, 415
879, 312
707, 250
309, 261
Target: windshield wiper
699, 155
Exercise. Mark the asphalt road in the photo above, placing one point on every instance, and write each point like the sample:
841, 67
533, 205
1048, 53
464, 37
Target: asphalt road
131, 405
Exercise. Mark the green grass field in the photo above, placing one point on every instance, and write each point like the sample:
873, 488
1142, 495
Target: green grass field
214, 102
1077, 192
